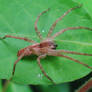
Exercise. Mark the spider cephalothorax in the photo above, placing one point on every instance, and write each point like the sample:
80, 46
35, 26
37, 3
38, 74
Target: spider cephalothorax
48, 46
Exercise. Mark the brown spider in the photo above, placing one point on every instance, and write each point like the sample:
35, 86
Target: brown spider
47, 46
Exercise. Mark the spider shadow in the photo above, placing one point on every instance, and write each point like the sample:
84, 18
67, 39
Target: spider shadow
30, 58
54, 61
34, 57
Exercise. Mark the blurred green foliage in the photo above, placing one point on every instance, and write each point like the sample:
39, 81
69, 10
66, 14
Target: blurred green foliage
0, 86
54, 88
13, 87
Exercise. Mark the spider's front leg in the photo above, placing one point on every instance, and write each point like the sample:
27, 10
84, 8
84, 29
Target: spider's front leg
73, 52
70, 28
58, 53
42, 69
15, 37
60, 18
75, 60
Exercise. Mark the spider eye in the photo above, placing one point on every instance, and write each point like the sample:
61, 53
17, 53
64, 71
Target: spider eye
56, 45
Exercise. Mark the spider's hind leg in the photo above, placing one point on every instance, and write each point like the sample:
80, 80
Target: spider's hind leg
15, 37
14, 66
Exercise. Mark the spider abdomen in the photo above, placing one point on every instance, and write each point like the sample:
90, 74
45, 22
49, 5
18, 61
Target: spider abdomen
20, 52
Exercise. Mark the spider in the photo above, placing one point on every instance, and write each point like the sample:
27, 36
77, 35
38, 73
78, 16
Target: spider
47, 46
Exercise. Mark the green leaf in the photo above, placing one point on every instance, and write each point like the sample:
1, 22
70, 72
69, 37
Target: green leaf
18, 88
17, 18
87, 4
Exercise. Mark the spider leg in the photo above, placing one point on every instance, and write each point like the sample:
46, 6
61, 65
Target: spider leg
8, 81
42, 69
57, 53
60, 18
36, 28
73, 52
69, 28
14, 66
21, 38
77, 61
